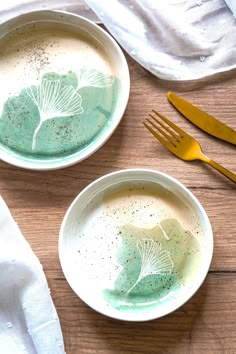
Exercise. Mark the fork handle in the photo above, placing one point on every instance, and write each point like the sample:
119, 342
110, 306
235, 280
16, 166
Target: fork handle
230, 175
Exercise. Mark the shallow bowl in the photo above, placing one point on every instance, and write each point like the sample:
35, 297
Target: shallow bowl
135, 245
66, 86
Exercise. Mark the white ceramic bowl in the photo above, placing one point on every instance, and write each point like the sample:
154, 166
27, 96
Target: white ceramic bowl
135, 245
66, 86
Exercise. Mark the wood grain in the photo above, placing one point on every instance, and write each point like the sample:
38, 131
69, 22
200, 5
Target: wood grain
205, 324
39, 200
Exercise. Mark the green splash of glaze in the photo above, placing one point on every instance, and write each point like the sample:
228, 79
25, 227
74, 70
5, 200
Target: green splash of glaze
58, 136
155, 289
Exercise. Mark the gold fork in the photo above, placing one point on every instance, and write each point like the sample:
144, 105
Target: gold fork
180, 143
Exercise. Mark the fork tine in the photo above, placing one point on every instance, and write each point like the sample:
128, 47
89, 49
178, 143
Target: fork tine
172, 125
168, 144
170, 138
172, 133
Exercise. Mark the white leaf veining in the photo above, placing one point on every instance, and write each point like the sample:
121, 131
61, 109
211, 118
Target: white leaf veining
153, 260
90, 77
54, 100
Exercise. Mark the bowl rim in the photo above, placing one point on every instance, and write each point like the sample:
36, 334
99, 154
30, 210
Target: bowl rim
14, 159
160, 176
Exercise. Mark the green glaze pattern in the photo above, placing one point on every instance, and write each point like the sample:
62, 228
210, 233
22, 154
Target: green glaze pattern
154, 268
60, 116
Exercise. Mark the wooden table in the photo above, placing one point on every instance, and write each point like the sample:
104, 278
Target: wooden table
39, 200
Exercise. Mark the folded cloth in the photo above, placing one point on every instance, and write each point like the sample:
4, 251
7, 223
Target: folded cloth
28, 319
173, 39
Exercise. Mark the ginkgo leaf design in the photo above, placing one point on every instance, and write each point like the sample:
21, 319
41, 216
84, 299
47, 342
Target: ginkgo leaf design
91, 77
153, 260
54, 100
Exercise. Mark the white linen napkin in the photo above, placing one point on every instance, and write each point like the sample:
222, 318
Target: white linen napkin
28, 319
173, 39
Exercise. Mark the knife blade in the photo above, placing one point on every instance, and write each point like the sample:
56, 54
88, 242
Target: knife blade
203, 120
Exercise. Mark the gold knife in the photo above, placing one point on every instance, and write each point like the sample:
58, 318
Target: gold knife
203, 120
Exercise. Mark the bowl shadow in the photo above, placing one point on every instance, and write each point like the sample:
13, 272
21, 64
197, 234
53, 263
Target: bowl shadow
172, 333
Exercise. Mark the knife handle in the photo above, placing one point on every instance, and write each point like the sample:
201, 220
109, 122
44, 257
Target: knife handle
230, 175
